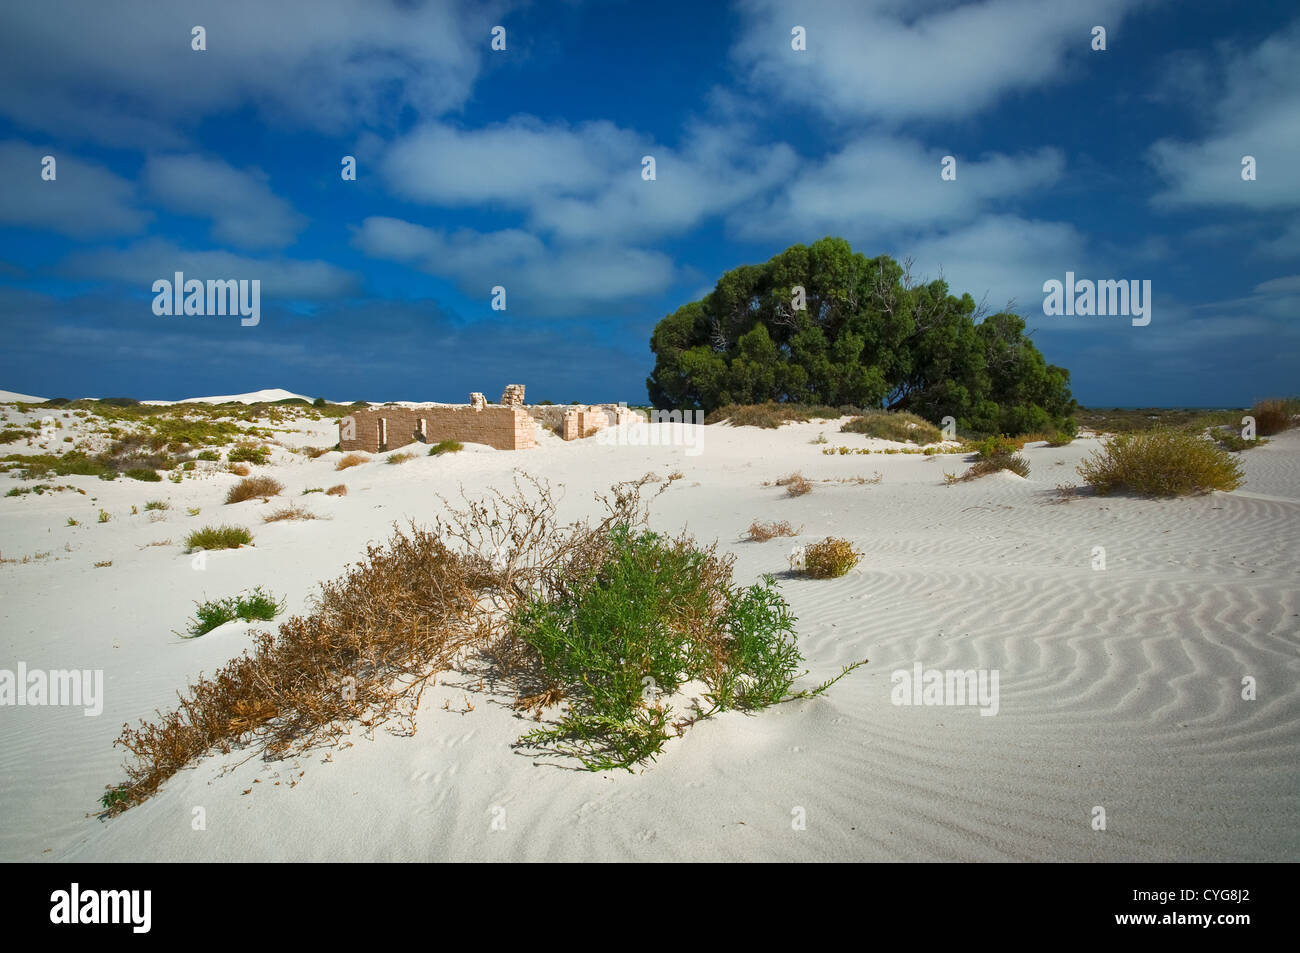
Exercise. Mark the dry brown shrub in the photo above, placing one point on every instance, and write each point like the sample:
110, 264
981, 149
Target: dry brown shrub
313, 452
290, 512
239, 469
338, 489
1272, 416
762, 532
795, 484
830, 558
252, 488
351, 460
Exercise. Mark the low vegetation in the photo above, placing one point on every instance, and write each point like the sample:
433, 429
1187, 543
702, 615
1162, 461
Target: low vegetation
772, 415
351, 460
338, 489
762, 532
256, 605
218, 537
899, 426
253, 488
1274, 416
290, 512
248, 453
1161, 463
604, 617
398, 458
830, 558
446, 446
795, 484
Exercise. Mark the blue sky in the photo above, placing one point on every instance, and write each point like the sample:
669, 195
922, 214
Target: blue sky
522, 168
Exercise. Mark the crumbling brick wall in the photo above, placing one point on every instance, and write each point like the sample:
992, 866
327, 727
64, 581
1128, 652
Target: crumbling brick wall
387, 428
584, 420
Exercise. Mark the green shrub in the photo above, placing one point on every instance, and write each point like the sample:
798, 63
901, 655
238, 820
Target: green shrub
446, 446
1161, 463
899, 426
998, 446
248, 453
401, 458
992, 464
653, 614
143, 474
256, 605
218, 537
157, 505
1232, 440
212, 455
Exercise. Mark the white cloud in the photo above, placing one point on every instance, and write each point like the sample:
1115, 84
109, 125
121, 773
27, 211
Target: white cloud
584, 183
538, 280
898, 60
124, 73
143, 262
243, 209
83, 200
878, 184
1257, 114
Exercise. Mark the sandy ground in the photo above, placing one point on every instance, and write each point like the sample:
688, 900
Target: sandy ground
1120, 688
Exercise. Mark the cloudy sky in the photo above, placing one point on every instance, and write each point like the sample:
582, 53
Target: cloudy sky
522, 168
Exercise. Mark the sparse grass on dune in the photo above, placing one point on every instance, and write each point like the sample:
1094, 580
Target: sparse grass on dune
398, 458
292, 511
900, 426
338, 489
772, 415
218, 537
252, 488
351, 460
446, 446
1161, 463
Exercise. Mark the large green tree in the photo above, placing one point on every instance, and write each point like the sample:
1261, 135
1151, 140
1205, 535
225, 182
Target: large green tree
867, 335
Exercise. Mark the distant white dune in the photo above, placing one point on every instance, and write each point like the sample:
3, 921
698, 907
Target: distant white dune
251, 398
9, 397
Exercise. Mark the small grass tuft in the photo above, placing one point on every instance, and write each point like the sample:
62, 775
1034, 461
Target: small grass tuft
252, 488
446, 446
401, 457
218, 537
795, 484
338, 489
290, 512
254, 606
762, 532
351, 460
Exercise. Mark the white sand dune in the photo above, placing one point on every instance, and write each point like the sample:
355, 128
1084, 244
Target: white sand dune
1119, 688
9, 397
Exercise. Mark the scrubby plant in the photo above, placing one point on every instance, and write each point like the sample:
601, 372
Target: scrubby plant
157, 505
248, 453
338, 489
105, 516
899, 426
210, 455
218, 537
830, 558
143, 474
351, 460
997, 446
290, 512
795, 484
238, 469
401, 457
314, 489
255, 605
251, 488
1232, 440
1161, 463
1274, 416
446, 446
997, 461
313, 452
761, 532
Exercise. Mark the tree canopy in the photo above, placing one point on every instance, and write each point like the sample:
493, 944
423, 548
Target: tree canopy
867, 335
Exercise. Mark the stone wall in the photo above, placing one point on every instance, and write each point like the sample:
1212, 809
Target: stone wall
584, 420
387, 428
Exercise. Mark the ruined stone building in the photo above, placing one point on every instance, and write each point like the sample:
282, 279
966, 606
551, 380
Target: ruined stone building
505, 426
